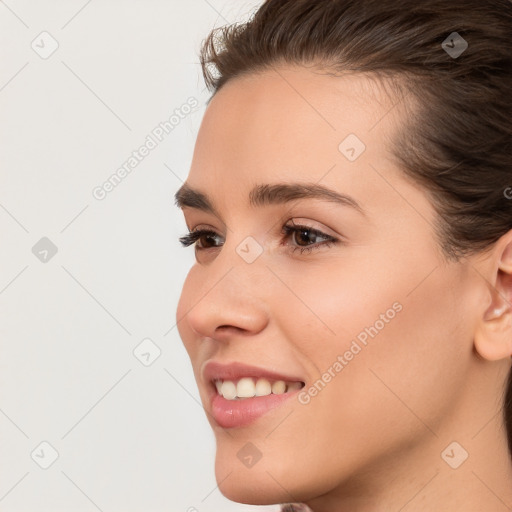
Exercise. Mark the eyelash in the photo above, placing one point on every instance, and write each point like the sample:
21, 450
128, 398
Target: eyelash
193, 236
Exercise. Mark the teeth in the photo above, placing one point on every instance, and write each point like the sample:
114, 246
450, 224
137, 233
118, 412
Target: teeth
263, 387
279, 387
228, 390
247, 388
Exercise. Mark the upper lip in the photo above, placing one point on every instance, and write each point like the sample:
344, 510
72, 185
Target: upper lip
214, 370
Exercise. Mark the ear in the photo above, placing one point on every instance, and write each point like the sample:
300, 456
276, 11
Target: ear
493, 335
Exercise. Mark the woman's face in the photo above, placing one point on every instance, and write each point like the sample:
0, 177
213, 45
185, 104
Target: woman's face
370, 317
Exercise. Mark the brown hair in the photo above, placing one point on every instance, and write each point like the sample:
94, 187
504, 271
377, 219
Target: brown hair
458, 138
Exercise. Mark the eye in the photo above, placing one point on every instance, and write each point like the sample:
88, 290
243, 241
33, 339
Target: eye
304, 236
192, 237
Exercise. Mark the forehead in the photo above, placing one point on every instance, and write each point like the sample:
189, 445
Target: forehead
293, 93
286, 125
290, 112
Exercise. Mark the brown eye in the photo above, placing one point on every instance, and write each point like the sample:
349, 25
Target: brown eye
201, 234
306, 237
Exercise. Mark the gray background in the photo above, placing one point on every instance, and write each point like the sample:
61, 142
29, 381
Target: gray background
129, 431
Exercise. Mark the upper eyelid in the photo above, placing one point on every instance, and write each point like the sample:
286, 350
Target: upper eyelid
225, 227
308, 224
283, 221
293, 227
286, 229
297, 227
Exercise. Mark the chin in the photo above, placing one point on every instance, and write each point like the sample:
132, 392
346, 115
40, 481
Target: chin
249, 486
271, 480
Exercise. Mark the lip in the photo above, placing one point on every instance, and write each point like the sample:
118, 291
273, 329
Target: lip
239, 413
214, 370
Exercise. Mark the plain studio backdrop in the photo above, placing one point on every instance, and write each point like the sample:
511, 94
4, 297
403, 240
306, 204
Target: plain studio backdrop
98, 407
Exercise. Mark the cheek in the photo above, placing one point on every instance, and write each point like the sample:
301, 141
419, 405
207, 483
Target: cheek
364, 299
425, 354
404, 353
409, 371
331, 306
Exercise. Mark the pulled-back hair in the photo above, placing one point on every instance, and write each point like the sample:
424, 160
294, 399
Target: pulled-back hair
457, 140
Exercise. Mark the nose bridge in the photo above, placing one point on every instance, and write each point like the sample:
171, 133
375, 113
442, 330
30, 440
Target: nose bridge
241, 265
232, 293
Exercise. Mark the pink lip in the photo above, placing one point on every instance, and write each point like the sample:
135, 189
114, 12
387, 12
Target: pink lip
234, 371
239, 413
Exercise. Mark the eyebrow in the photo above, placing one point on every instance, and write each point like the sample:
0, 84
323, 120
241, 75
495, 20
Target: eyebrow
267, 194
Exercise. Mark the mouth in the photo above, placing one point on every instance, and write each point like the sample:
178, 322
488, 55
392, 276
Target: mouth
240, 394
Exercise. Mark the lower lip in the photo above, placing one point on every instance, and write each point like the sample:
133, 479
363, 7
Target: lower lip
238, 413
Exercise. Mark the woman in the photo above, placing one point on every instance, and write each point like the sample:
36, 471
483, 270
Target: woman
349, 317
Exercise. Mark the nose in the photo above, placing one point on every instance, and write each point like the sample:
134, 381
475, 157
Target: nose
224, 302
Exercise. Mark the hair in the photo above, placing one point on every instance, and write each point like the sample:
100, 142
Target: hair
456, 141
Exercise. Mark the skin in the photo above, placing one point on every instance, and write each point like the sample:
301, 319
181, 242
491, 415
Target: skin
372, 439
